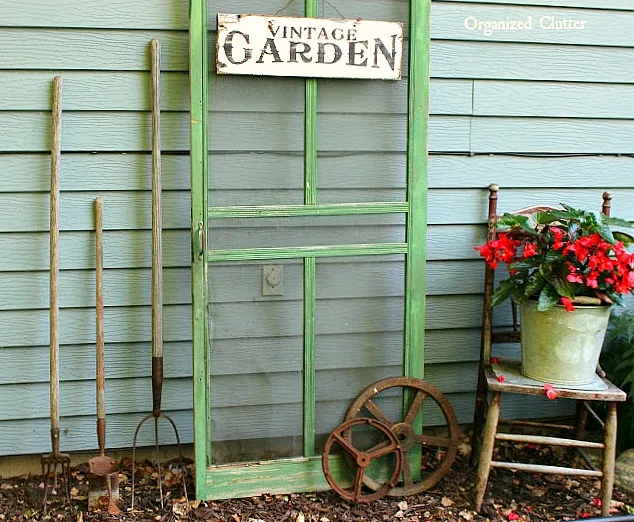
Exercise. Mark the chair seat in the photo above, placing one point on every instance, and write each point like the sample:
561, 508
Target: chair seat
514, 382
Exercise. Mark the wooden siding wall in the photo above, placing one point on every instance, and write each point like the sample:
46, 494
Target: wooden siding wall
497, 102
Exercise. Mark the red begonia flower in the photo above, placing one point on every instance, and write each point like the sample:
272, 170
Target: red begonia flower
567, 302
529, 250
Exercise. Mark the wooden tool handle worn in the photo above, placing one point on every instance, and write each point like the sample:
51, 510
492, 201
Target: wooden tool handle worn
157, 212
54, 251
101, 370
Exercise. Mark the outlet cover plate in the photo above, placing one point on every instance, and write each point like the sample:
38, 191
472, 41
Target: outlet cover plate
272, 280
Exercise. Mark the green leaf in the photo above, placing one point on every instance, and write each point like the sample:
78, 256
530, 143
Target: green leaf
606, 233
547, 268
552, 256
514, 220
524, 265
548, 298
503, 292
534, 284
564, 288
608, 220
545, 218
558, 215
575, 214
626, 239
626, 364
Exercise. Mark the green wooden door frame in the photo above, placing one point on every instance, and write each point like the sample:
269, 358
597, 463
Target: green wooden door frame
304, 473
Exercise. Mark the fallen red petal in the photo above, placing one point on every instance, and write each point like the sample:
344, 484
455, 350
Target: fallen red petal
501, 378
551, 394
513, 516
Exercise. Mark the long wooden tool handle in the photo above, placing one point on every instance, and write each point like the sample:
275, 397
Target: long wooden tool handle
157, 211
157, 244
54, 251
101, 368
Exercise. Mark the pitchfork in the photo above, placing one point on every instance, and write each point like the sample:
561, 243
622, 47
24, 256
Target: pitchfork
51, 460
157, 282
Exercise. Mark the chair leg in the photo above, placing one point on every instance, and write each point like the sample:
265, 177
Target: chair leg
486, 453
609, 458
581, 418
478, 417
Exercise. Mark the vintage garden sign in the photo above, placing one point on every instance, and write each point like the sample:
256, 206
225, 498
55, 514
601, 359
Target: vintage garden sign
309, 47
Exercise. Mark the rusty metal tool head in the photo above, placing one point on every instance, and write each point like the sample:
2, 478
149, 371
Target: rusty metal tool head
103, 479
50, 461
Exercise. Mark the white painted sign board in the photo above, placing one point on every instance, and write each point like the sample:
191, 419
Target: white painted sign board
309, 47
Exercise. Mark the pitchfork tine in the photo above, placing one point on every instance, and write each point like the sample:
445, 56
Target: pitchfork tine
158, 459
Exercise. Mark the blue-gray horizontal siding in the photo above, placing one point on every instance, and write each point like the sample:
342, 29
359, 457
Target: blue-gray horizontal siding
497, 97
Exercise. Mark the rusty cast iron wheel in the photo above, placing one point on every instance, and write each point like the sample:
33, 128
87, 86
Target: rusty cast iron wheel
358, 460
405, 433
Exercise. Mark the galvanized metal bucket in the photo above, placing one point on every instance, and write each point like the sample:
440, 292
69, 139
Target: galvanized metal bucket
561, 347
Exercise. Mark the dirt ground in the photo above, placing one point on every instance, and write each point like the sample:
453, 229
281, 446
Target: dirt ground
510, 496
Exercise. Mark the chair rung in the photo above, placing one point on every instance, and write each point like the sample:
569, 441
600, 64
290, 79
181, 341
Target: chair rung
536, 468
554, 441
534, 424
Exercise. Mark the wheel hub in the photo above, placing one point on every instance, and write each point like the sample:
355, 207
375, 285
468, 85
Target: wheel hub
405, 435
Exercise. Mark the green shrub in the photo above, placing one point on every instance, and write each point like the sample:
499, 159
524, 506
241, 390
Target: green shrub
617, 360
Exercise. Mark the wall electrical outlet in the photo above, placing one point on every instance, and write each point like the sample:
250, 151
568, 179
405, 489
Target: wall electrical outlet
272, 280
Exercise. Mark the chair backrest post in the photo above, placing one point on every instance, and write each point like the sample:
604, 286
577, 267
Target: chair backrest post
607, 203
493, 210
489, 275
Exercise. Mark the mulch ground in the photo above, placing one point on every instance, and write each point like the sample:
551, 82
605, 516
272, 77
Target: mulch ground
510, 496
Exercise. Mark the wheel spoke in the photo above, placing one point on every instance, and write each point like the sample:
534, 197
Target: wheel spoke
407, 471
358, 483
382, 451
415, 407
347, 445
426, 440
378, 413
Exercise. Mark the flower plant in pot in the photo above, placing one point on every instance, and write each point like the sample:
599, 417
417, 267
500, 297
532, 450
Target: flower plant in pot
566, 268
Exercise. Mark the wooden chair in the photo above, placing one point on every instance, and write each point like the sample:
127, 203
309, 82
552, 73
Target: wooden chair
487, 415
